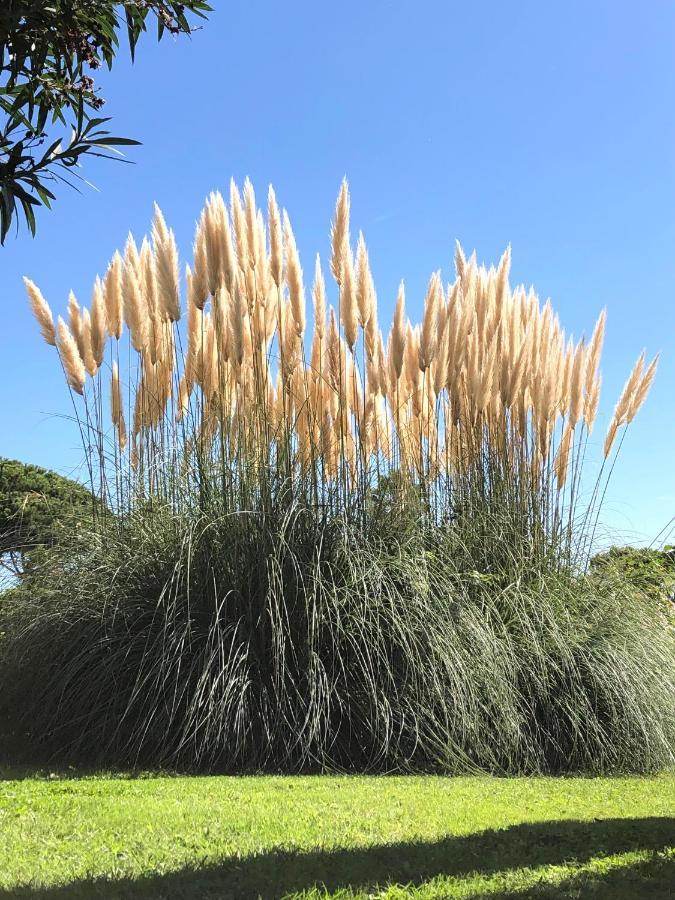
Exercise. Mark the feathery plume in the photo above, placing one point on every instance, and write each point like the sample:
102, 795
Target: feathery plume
194, 331
439, 367
296, 289
135, 310
209, 264
566, 378
113, 296
624, 403
642, 390
630, 389
70, 357
251, 222
460, 262
398, 332
319, 295
75, 322
262, 270
333, 349
41, 311
516, 376
201, 272
276, 240
89, 361
98, 323
239, 222
561, 461
592, 404
411, 357
429, 332
372, 329
594, 351
166, 266
340, 233
149, 288
363, 282
486, 375
502, 277
348, 308
222, 235
236, 328
610, 436
578, 379
222, 304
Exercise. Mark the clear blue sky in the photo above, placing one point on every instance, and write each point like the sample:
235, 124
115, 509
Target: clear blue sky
551, 126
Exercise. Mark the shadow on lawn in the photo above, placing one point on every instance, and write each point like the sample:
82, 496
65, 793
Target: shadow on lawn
277, 873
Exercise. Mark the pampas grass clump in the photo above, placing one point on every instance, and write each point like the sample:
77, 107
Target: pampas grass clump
321, 545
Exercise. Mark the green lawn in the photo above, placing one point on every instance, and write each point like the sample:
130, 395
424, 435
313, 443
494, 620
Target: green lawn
336, 836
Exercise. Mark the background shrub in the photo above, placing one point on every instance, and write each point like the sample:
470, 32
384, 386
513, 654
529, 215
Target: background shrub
36, 505
648, 570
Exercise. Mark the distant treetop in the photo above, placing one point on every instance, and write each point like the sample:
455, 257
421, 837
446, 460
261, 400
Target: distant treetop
34, 504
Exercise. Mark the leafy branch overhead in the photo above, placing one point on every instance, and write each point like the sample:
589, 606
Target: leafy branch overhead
48, 52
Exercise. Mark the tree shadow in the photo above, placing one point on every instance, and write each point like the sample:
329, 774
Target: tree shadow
277, 873
652, 879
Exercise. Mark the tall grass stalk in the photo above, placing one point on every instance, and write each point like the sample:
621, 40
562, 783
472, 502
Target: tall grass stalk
485, 403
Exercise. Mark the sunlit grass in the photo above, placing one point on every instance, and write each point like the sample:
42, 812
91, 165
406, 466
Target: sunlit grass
337, 836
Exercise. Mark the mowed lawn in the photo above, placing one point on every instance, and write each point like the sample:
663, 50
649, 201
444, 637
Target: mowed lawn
334, 836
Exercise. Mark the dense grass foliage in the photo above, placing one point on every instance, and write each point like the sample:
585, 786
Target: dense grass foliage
334, 552
336, 837
281, 642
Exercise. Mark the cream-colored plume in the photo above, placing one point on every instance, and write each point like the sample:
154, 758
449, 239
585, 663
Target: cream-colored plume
340, 233
70, 358
41, 311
